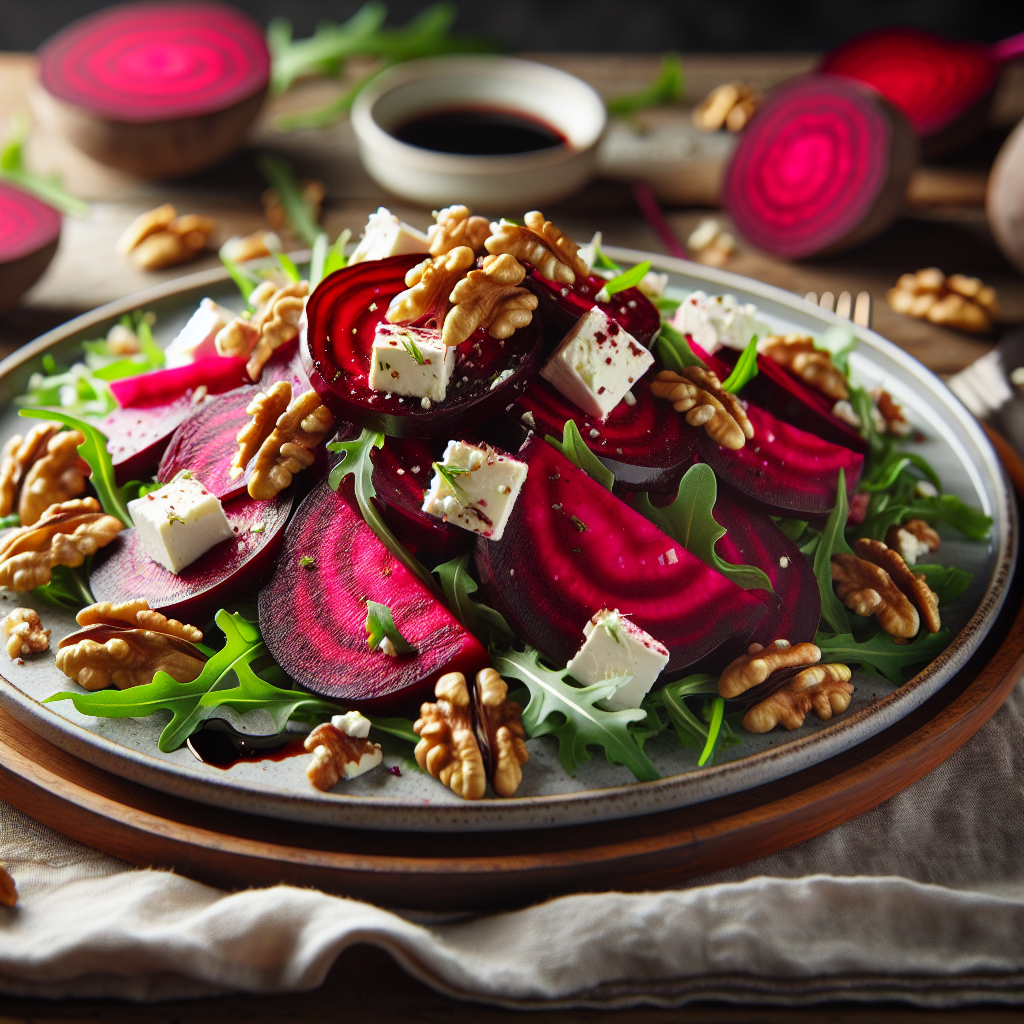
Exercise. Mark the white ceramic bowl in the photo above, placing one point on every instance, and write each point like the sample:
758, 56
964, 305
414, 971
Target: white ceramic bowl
505, 183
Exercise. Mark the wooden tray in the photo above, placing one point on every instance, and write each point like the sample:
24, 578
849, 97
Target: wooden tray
490, 870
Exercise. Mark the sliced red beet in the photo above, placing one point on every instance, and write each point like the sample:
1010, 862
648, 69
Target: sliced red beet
648, 445
572, 548
139, 436
29, 233
341, 317
561, 306
231, 570
285, 364
313, 612
217, 374
824, 166
401, 473
206, 443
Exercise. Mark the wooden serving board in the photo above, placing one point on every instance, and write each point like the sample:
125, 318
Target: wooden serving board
478, 871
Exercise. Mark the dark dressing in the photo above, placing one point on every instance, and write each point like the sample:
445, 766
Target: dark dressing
478, 131
219, 744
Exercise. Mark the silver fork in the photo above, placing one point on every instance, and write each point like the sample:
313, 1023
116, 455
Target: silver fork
858, 310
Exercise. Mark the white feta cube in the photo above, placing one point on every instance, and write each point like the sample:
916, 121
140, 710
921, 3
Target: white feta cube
475, 487
197, 338
179, 522
692, 318
596, 363
385, 235
353, 724
614, 647
411, 361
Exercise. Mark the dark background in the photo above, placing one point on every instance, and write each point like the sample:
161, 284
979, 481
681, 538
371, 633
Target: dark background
607, 25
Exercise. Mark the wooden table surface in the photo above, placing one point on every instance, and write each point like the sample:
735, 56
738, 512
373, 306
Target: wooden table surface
86, 272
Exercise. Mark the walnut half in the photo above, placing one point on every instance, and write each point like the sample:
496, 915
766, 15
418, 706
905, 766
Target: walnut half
338, 754
796, 352
489, 297
825, 688
456, 226
539, 243
25, 634
699, 393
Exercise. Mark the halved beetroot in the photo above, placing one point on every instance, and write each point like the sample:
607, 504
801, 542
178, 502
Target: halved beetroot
648, 445
341, 316
216, 373
401, 473
206, 443
313, 612
561, 306
227, 572
137, 437
572, 548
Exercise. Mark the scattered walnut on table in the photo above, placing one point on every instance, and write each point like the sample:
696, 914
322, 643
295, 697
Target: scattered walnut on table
159, 238
912, 539
699, 393
258, 245
710, 245
455, 226
912, 584
728, 106
428, 286
796, 352
825, 688
539, 243
961, 302
25, 634
57, 475
490, 298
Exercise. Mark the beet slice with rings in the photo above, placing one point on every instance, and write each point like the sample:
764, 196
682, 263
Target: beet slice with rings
647, 445
29, 235
313, 612
572, 548
401, 473
823, 167
138, 437
338, 332
123, 571
561, 306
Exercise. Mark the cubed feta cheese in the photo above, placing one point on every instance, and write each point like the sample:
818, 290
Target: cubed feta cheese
475, 487
385, 235
197, 337
179, 522
596, 363
411, 361
614, 646
353, 724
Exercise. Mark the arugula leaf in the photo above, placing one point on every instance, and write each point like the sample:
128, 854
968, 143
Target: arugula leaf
400, 727
48, 189
689, 728
6, 522
833, 541
948, 582
68, 588
714, 731
336, 258
882, 653
486, 624
94, 450
665, 305
573, 447
690, 520
356, 463
77, 390
147, 345
744, 371
673, 350
297, 210
287, 264
668, 87
947, 508
568, 712
629, 279
380, 624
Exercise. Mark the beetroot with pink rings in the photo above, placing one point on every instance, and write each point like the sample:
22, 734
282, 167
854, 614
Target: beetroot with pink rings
341, 317
138, 437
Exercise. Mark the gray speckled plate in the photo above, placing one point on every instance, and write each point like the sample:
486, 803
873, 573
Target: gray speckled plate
549, 797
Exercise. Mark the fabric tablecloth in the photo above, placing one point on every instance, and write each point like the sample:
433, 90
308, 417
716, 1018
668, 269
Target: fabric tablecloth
920, 900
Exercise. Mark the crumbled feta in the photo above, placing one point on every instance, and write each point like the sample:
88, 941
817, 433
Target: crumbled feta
910, 547
475, 487
721, 320
588, 253
596, 363
653, 284
197, 337
385, 235
352, 724
528, 419
842, 410
179, 522
411, 361
614, 647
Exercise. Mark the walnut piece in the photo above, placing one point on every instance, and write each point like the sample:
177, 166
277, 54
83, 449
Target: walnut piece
260, 244
896, 423
18, 456
867, 589
912, 584
913, 539
539, 243
961, 302
489, 297
56, 476
65, 535
760, 663
25, 634
796, 352
455, 227
429, 285
825, 688
448, 749
730, 106
159, 238
332, 750
238, 338
709, 244
265, 408
143, 226
278, 324
136, 613
289, 446
500, 732
698, 393
8, 890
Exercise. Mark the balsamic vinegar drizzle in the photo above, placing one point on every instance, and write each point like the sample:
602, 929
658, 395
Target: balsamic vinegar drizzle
219, 744
478, 131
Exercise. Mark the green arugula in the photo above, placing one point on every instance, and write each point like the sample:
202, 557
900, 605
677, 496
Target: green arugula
881, 652
570, 713
336, 258
690, 520
318, 259
630, 279
380, 624
833, 542
574, 448
744, 371
68, 588
94, 450
356, 463
6, 522
299, 213
689, 728
946, 508
948, 582
668, 87
48, 189
486, 624
714, 731
673, 350
287, 264
885, 475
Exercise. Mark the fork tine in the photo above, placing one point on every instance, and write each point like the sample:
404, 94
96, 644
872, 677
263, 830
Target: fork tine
812, 298
827, 301
862, 310
844, 305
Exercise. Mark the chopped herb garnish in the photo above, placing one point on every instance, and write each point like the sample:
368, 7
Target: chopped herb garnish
307, 561
745, 370
412, 348
48, 189
630, 279
579, 524
380, 624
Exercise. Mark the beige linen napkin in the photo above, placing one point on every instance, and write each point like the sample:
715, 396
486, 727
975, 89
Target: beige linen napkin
921, 899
